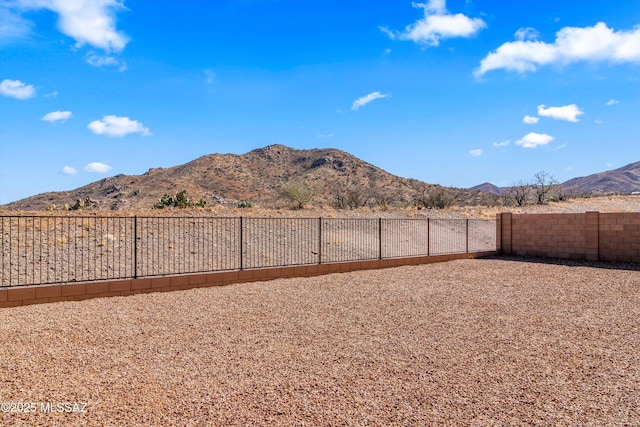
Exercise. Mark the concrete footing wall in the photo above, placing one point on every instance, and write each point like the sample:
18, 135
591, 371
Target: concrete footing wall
26, 295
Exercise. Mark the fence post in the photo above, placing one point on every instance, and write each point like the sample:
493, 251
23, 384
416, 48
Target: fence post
467, 248
428, 237
320, 240
241, 242
135, 247
379, 238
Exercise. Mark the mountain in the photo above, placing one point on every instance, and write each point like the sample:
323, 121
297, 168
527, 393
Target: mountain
257, 177
624, 180
488, 187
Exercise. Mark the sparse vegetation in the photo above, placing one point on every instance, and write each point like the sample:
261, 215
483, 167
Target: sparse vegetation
352, 199
541, 190
181, 200
383, 198
245, 205
80, 204
545, 186
83, 204
435, 198
299, 192
518, 194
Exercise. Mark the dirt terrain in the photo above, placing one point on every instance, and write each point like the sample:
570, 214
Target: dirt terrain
469, 342
603, 204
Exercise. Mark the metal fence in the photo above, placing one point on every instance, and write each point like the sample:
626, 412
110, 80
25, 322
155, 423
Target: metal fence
57, 249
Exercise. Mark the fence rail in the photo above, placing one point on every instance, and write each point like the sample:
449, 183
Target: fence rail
58, 249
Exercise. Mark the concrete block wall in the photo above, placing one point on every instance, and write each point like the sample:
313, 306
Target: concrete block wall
619, 236
590, 236
26, 295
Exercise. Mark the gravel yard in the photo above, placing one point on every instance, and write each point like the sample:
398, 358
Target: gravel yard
468, 342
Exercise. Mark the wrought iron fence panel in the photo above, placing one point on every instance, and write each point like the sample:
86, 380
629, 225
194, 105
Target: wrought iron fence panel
276, 242
63, 249
41, 250
346, 239
482, 235
405, 237
447, 236
177, 245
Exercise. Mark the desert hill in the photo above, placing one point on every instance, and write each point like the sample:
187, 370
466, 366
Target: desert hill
624, 180
257, 177
489, 188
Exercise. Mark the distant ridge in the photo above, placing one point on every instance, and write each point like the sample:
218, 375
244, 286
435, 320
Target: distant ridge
488, 188
256, 176
624, 180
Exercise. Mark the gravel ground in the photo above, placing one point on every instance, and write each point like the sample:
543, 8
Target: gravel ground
468, 342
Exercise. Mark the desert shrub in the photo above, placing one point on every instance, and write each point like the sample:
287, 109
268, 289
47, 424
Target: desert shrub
440, 198
181, 200
298, 192
546, 187
245, 205
518, 194
352, 199
82, 204
339, 200
384, 199
164, 202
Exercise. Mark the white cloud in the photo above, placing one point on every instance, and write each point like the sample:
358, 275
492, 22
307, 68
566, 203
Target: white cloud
531, 120
361, 102
17, 89
437, 24
101, 61
325, 135
476, 153
612, 102
53, 94
105, 61
57, 115
567, 112
68, 170
599, 122
12, 25
97, 167
527, 33
117, 126
501, 143
89, 22
533, 140
573, 44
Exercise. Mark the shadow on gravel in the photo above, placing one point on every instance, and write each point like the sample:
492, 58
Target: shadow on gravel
632, 266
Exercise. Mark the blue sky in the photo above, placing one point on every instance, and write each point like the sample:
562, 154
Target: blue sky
455, 93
